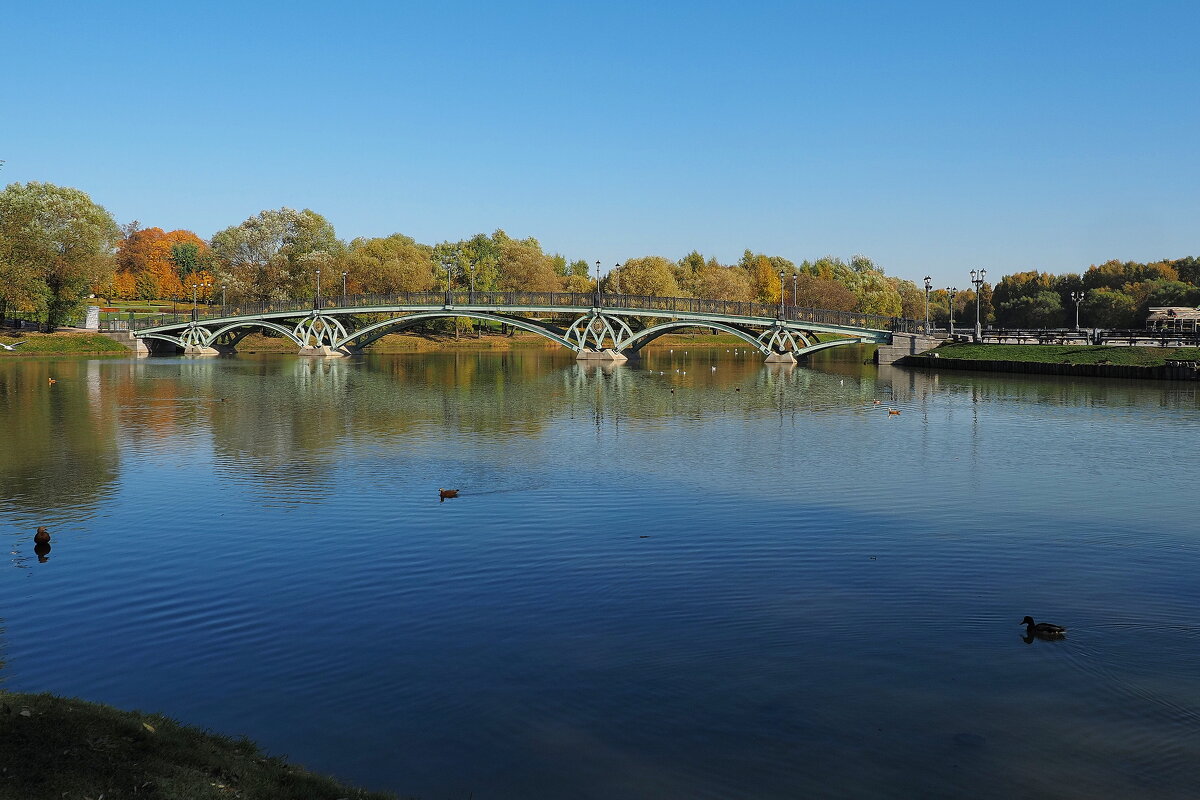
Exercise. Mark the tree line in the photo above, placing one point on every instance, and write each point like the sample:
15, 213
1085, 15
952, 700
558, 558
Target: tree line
57, 247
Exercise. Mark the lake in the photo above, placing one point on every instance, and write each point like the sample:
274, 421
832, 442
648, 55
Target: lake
694, 576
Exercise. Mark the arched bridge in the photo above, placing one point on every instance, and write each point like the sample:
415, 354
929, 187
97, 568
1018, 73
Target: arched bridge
593, 325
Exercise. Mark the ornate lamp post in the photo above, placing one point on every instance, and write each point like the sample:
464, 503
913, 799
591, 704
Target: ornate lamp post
344, 274
446, 262
794, 293
928, 286
616, 278
317, 296
977, 279
224, 286
598, 301
781, 294
953, 291
1078, 298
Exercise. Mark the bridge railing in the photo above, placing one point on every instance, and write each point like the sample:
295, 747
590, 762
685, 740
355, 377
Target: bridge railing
656, 305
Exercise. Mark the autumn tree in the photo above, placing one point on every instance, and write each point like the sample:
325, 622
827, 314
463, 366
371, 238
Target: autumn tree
55, 244
716, 282
152, 263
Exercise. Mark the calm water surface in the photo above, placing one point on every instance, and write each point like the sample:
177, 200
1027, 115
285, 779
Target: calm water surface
662, 580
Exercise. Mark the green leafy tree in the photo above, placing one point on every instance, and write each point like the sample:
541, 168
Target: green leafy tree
55, 244
1109, 308
274, 255
1042, 310
652, 275
389, 264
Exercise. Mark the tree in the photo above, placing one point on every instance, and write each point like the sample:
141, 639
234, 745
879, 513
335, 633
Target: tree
816, 292
1109, 308
652, 275
687, 271
270, 256
522, 266
55, 244
715, 282
152, 263
1042, 310
395, 263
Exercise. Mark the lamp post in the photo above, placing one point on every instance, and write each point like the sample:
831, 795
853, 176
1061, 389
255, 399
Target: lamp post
781, 294
952, 290
317, 296
794, 293
344, 274
977, 277
446, 262
224, 286
616, 278
928, 286
1078, 298
195, 286
598, 301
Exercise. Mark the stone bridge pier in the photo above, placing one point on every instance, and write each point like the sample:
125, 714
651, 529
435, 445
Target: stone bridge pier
904, 344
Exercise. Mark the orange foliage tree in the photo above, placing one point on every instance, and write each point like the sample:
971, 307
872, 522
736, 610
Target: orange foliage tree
147, 268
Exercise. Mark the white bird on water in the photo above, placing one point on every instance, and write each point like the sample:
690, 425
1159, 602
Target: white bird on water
12, 346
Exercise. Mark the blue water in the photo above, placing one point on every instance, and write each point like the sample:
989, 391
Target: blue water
760, 584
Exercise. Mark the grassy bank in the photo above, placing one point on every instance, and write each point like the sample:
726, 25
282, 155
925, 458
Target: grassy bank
1067, 354
54, 747
61, 343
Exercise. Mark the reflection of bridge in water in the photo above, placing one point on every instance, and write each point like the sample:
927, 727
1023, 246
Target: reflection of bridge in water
593, 325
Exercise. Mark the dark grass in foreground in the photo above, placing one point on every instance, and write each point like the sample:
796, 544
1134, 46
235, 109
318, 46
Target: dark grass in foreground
1068, 354
55, 747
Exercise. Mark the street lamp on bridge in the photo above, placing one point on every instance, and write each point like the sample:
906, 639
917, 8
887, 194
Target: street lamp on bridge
952, 290
317, 296
344, 274
1078, 298
928, 286
616, 279
977, 279
598, 301
781, 294
195, 286
224, 286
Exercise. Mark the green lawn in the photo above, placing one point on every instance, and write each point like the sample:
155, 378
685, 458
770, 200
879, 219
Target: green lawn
60, 747
1067, 354
59, 343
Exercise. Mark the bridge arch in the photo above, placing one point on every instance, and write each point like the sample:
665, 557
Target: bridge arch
256, 323
643, 337
369, 334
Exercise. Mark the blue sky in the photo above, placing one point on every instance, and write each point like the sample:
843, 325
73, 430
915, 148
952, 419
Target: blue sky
933, 137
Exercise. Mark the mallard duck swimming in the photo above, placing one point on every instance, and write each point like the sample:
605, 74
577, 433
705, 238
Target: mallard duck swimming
1043, 629
42, 536
445, 493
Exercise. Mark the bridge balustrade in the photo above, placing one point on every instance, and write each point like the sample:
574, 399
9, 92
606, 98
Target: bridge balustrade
567, 301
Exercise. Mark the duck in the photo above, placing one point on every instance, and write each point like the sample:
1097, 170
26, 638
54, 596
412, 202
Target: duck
42, 536
443, 494
1043, 629
893, 412
51, 381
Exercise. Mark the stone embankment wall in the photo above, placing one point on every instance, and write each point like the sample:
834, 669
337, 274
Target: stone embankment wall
1175, 370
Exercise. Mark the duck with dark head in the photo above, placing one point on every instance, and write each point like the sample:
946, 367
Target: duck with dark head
1042, 630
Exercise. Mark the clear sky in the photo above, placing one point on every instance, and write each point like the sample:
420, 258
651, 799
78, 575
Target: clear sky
931, 136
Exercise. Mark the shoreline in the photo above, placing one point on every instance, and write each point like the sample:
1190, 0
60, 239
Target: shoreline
1089, 361
66, 747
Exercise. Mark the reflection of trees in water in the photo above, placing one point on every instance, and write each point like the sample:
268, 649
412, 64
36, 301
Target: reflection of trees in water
58, 444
